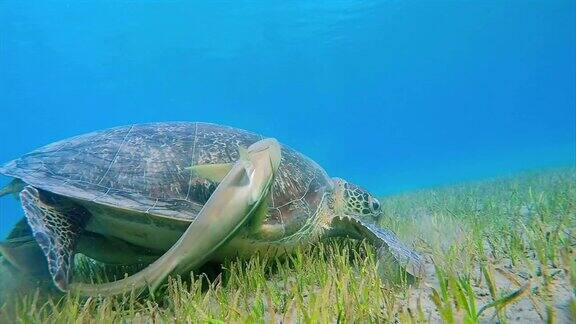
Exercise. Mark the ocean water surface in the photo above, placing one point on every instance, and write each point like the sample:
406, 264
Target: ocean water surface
391, 95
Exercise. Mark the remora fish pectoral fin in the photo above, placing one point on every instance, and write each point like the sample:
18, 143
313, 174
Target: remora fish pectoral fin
224, 213
247, 164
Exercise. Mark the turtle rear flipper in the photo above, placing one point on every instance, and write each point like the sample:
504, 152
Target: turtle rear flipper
25, 255
22, 252
385, 240
56, 226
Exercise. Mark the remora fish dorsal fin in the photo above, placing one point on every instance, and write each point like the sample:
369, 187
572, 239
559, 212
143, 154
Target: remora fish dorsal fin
217, 171
212, 172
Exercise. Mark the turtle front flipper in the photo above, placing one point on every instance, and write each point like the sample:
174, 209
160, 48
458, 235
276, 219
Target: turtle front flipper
56, 226
14, 187
385, 240
228, 208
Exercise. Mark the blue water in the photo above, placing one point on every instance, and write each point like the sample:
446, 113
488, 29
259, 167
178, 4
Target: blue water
392, 95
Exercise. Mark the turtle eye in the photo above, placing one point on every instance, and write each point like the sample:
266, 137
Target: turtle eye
375, 204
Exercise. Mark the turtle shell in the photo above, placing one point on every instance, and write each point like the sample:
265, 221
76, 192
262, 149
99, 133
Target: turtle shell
143, 168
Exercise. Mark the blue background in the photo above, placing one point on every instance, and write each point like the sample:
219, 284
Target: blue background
392, 95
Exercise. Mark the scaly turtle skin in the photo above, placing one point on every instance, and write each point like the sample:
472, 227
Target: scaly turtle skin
125, 195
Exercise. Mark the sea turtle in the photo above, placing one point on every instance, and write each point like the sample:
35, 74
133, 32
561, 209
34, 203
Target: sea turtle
126, 195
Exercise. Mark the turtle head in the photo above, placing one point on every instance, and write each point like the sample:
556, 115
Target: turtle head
352, 200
